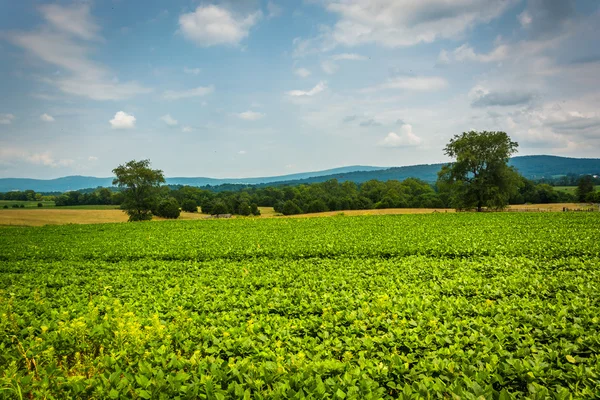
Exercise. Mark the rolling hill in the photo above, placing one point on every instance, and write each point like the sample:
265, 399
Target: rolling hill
532, 167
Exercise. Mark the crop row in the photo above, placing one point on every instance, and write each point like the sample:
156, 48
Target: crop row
543, 236
404, 327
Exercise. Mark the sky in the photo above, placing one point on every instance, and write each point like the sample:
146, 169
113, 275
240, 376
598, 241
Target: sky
244, 88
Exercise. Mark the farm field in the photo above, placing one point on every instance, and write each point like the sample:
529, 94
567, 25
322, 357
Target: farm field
498, 305
108, 214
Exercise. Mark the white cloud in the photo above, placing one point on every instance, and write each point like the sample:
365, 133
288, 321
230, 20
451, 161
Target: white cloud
184, 94
415, 83
524, 19
348, 56
47, 118
167, 119
122, 120
250, 115
273, 9
394, 23
74, 20
329, 67
466, 53
242, 152
60, 44
406, 138
483, 97
6, 119
186, 129
15, 155
213, 25
92, 158
302, 72
192, 71
319, 87
47, 159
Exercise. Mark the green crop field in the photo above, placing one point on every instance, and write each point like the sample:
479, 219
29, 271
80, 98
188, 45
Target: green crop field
469, 306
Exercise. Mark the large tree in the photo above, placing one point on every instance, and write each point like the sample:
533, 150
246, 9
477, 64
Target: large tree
141, 185
479, 176
585, 186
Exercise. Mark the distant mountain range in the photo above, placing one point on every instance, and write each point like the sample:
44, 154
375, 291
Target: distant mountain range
532, 167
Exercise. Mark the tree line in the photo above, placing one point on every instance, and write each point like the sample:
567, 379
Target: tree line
478, 178
331, 195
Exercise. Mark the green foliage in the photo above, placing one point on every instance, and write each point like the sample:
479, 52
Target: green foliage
141, 185
40, 204
585, 188
480, 176
168, 208
189, 205
290, 208
418, 306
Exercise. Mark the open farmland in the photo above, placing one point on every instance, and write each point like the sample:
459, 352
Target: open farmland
500, 305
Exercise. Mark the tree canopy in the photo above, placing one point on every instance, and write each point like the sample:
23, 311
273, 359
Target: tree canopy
480, 176
141, 185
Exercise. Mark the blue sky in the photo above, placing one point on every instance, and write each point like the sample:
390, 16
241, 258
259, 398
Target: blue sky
255, 88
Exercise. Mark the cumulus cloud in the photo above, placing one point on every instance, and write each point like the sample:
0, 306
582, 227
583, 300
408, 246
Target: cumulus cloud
395, 23
242, 152
184, 94
302, 72
273, 9
406, 138
544, 17
186, 129
75, 20
212, 25
482, 97
467, 53
6, 119
16, 155
348, 56
250, 115
63, 44
192, 71
122, 120
369, 122
167, 119
329, 67
319, 87
413, 83
47, 118
92, 158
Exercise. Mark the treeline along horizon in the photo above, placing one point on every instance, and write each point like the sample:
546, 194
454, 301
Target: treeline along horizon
331, 195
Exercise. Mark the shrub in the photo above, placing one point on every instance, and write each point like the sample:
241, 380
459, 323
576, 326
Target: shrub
15, 206
244, 209
290, 208
168, 208
5, 206
254, 209
189, 205
40, 205
21, 205
218, 207
316, 206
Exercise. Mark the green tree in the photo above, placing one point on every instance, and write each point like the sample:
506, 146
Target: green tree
189, 205
584, 187
480, 176
141, 185
168, 208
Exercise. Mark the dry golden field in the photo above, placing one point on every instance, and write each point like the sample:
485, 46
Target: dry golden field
57, 216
